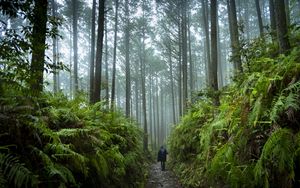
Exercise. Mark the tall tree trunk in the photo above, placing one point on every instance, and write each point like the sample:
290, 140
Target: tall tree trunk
272, 20
281, 26
157, 111
191, 67
58, 60
127, 63
220, 63
114, 56
184, 56
287, 11
106, 61
214, 51
92, 60
38, 40
172, 83
234, 35
70, 63
54, 50
154, 119
75, 44
150, 113
98, 71
179, 70
206, 32
143, 79
162, 112
260, 23
137, 114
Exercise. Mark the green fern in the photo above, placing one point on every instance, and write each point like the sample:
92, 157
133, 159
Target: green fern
277, 157
16, 173
288, 99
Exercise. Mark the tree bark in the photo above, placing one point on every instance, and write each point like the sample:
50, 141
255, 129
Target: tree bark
92, 60
191, 67
260, 23
172, 83
207, 43
272, 20
234, 35
106, 62
214, 51
98, 71
38, 46
179, 69
54, 51
114, 56
75, 44
281, 26
287, 11
184, 56
127, 63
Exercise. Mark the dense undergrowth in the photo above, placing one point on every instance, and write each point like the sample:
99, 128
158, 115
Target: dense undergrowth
253, 138
55, 142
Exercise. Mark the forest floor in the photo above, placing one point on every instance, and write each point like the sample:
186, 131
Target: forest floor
158, 178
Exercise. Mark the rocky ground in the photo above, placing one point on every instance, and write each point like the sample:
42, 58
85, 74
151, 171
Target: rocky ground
158, 178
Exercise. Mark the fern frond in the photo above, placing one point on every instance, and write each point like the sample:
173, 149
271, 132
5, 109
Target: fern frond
16, 172
277, 156
287, 101
256, 111
61, 172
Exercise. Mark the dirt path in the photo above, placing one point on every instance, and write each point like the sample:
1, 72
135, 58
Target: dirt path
158, 178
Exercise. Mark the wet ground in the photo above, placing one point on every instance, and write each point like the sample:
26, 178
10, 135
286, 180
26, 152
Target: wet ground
158, 178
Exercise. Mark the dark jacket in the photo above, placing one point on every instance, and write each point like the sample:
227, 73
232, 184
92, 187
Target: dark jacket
162, 155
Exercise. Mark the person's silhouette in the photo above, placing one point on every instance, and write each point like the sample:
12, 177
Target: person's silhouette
162, 157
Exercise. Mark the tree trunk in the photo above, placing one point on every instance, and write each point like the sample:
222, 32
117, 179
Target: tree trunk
98, 71
92, 60
234, 35
281, 26
150, 114
184, 56
136, 98
172, 83
207, 43
260, 23
179, 70
70, 63
75, 44
157, 111
191, 68
220, 63
38, 46
54, 50
287, 11
214, 51
114, 56
106, 62
143, 79
272, 20
127, 63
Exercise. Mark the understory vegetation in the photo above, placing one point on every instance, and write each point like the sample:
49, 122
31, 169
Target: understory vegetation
253, 138
51, 141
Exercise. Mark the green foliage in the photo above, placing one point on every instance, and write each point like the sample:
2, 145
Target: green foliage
56, 142
14, 173
252, 139
276, 163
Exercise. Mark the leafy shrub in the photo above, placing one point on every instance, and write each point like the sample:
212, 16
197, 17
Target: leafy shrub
251, 140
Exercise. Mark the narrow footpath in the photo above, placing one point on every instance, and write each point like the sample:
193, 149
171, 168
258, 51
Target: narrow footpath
158, 178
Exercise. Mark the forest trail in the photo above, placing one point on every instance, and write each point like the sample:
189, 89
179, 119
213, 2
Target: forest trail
158, 178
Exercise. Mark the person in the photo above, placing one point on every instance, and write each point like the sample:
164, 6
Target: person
162, 157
